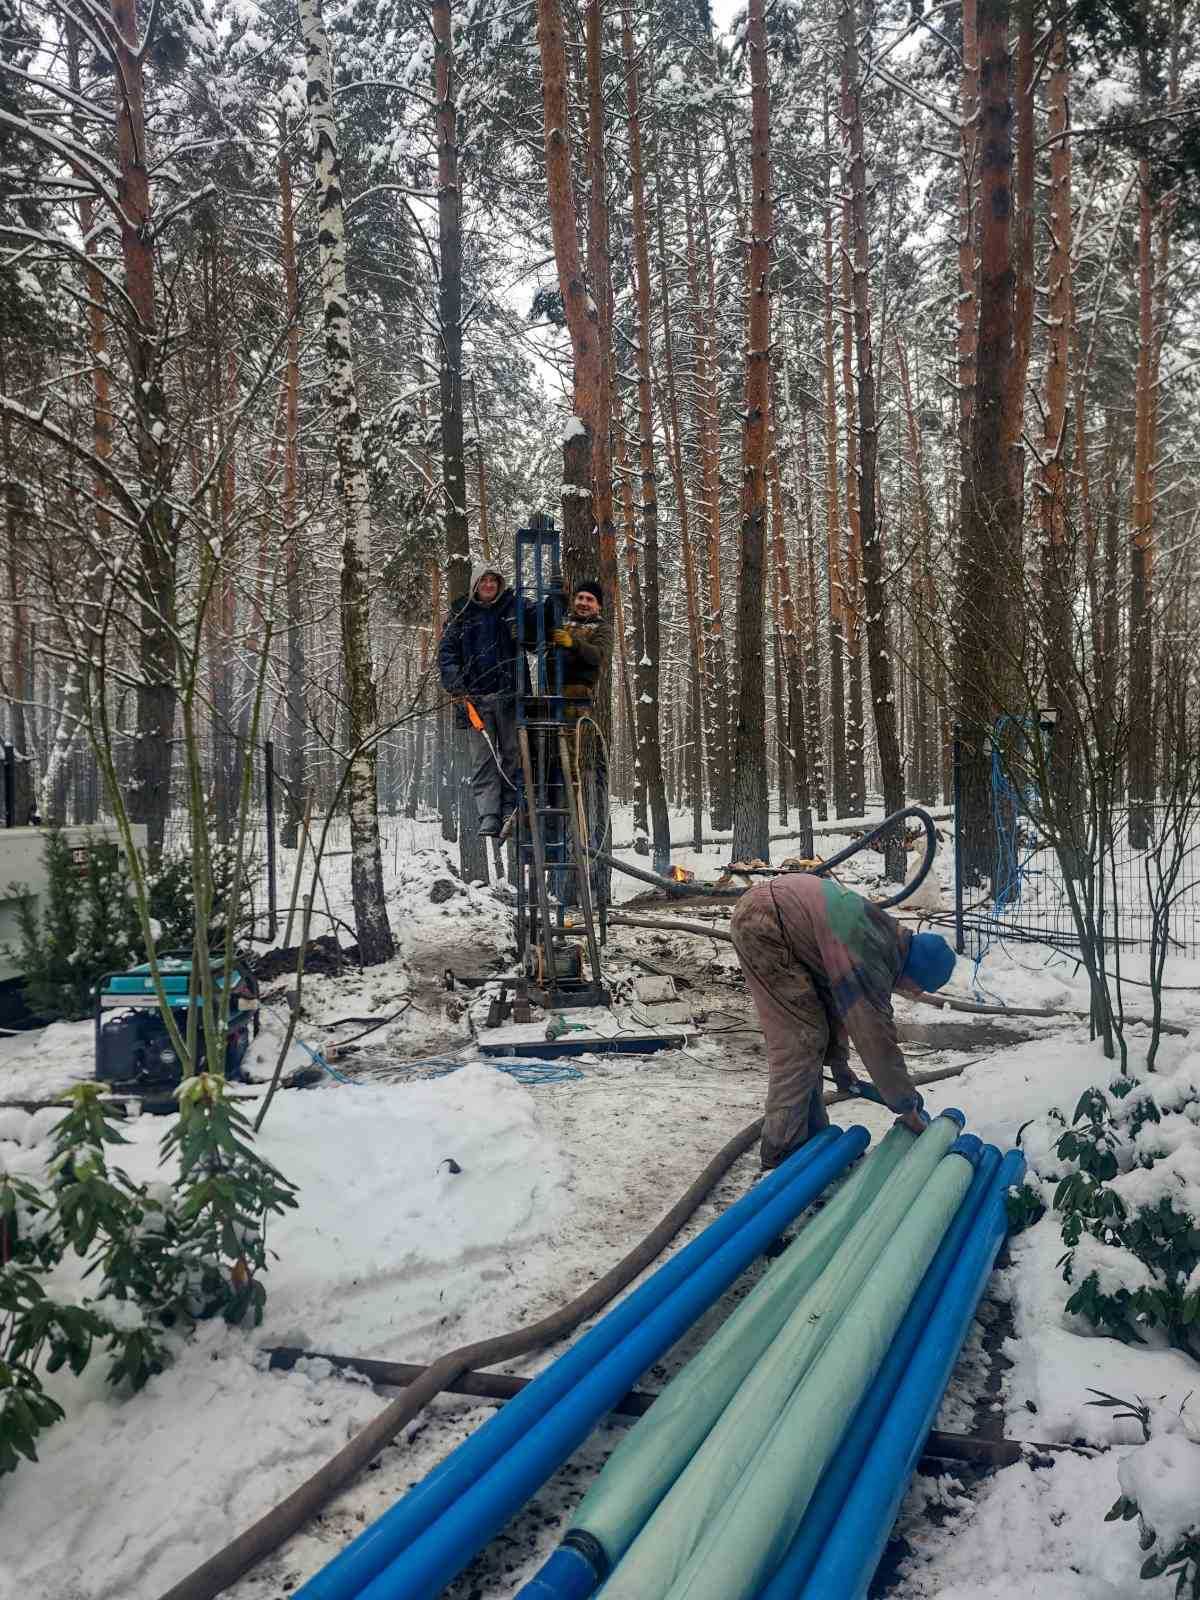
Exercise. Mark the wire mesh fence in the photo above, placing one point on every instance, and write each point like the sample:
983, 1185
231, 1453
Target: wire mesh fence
1136, 888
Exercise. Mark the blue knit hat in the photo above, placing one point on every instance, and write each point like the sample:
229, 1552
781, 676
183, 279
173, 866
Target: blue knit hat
930, 962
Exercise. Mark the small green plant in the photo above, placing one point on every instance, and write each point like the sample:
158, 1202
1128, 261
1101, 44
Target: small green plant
33, 1326
1162, 1239
88, 922
165, 1256
1178, 1556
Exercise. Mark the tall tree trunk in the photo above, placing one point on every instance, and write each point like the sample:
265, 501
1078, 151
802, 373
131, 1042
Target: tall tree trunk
366, 864
150, 795
875, 594
708, 416
1025, 191
789, 706
1057, 566
833, 520
600, 272
641, 812
649, 665
968, 244
671, 428
293, 553
855, 751
929, 652
751, 822
989, 555
1141, 648
485, 542
472, 850
580, 547
813, 719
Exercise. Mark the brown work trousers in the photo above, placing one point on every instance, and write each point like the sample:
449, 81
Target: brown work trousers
795, 1025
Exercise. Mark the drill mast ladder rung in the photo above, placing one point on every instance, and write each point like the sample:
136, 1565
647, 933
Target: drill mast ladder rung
553, 866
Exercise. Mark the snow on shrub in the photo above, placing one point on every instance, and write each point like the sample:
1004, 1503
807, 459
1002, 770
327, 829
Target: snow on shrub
166, 1255
1160, 1486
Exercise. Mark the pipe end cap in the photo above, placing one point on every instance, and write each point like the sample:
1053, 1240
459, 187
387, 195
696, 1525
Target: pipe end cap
969, 1146
955, 1115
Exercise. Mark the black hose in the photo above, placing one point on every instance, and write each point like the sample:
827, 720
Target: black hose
263, 1537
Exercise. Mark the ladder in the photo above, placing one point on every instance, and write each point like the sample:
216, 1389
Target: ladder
554, 886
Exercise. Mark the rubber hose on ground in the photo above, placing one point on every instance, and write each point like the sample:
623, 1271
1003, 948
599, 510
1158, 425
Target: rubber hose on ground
263, 1537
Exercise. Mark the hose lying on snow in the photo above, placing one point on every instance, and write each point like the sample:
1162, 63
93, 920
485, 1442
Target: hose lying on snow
269, 1532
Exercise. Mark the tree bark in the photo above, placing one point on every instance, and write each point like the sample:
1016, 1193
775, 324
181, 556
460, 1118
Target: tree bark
649, 665
833, 523
875, 597
580, 546
751, 823
1057, 573
366, 866
600, 272
150, 795
1141, 589
472, 850
989, 554
1025, 192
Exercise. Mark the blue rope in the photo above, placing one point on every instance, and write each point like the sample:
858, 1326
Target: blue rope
321, 1062
1010, 870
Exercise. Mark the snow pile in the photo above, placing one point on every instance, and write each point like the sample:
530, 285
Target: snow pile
391, 1250
1163, 1477
47, 1062
392, 1253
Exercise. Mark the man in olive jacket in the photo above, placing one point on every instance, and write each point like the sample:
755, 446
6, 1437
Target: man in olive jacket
822, 964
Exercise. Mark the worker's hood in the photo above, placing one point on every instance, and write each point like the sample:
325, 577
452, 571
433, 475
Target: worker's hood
482, 571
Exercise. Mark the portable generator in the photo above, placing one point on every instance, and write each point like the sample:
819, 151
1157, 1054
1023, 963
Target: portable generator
133, 1046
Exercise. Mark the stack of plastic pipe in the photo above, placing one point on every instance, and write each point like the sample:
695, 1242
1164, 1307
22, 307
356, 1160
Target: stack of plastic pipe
418, 1546
675, 1477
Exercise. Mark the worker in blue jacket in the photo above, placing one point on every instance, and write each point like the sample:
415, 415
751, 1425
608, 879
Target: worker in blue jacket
476, 663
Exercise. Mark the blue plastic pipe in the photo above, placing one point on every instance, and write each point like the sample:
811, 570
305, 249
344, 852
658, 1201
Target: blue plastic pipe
433, 1559
852, 1550
826, 1504
780, 1193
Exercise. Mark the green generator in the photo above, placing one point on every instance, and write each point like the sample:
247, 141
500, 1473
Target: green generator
133, 1047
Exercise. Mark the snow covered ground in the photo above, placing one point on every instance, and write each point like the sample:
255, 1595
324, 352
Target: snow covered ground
394, 1255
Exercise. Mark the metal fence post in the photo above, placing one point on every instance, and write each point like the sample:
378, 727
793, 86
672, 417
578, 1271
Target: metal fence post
269, 799
960, 942
10, 786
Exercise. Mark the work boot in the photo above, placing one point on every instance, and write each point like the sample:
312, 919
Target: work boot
489, 827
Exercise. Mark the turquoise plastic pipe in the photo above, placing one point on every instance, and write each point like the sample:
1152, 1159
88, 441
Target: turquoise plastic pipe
344, 1577
826, 1505
651, 1455
704, 1488
747, 1536
853, 1548
444, 1548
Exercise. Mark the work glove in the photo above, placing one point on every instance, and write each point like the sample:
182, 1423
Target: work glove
564, 638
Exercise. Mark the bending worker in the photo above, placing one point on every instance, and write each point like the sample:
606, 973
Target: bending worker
822, 964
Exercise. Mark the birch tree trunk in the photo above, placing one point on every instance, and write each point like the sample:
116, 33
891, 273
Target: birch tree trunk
366, 866
751, 821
